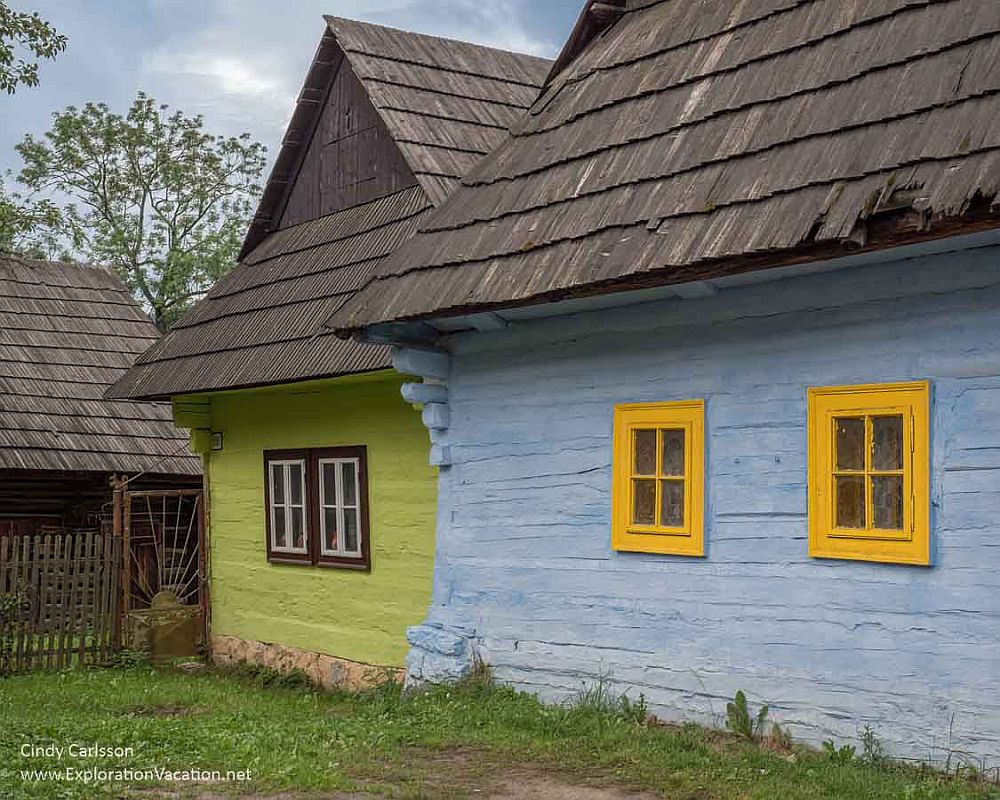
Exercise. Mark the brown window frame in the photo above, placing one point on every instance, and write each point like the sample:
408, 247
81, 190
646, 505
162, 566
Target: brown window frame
314, 555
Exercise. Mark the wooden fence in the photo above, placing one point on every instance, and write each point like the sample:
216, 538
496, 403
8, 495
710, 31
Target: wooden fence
59, 599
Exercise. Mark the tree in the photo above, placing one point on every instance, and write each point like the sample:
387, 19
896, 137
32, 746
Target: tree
149, 193
27, 226
23, 38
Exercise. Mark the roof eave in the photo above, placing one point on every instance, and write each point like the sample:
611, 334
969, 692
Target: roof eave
168, 395
882, 231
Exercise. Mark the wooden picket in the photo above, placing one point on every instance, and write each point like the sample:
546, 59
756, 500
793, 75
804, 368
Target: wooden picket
59, 597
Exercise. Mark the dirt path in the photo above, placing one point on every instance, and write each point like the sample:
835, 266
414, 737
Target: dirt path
523, 787
528, 788
453, 775
547, 788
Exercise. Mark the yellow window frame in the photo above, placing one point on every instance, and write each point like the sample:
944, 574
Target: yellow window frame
911, 543
687, 539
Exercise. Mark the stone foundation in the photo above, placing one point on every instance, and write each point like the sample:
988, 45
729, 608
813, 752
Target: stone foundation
327, 671
438, 654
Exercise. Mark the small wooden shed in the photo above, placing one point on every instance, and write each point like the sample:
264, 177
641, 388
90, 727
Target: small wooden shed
67, 332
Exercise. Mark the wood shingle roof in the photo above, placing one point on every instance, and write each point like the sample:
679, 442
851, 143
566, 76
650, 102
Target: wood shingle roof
446, 103
338, 203
697, 138
67, 332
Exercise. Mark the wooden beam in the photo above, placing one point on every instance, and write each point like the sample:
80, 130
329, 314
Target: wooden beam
605, 12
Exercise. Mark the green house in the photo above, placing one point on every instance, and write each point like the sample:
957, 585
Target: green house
321, 501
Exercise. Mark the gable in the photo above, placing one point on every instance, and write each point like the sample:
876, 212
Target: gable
385, 124
351, 158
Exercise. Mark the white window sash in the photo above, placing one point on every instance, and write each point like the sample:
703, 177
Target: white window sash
288, 507
339, 506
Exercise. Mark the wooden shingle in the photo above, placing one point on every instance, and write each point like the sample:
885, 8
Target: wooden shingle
67, 332
696, 139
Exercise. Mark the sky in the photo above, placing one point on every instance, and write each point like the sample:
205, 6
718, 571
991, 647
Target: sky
238, 63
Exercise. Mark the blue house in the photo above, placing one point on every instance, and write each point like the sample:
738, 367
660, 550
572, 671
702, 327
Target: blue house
711, 348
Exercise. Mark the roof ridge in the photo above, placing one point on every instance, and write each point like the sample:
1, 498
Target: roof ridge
330, 18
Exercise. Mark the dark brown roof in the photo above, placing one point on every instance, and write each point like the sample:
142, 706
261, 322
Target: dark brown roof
263, 323
698, 137
446, 103
433, 105
67, 332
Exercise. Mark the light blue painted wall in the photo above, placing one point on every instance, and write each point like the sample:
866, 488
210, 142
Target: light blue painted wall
526, 577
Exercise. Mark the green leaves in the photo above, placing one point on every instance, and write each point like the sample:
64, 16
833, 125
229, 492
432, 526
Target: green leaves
26, 224
739, 721
150, 193
24, 37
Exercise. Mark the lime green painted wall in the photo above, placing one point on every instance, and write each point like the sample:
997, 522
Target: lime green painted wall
352, 615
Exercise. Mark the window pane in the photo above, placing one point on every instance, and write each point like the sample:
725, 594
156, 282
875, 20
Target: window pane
329, 484
644, 502
350, 483
887, 442
644, 446
672, 503
277, 484
280, 538
351, 544
330, 531
673, 452
851, 502
850, 442
295, 484
887, 499
298, 531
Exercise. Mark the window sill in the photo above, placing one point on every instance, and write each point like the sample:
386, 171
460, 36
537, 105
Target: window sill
303, 561
352, 565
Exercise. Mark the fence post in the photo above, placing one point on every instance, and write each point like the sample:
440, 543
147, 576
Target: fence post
120, 533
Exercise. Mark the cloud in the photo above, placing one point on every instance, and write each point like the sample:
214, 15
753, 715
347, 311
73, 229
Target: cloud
227, 88
241, 66
496, 23
239, 63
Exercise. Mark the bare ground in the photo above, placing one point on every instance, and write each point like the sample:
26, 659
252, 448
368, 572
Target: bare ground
460, 774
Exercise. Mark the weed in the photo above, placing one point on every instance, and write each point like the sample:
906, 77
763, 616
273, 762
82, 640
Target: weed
597, 697
844, 754
129, 659
11, 606
600, 699
270, 678
780, 738
741, 722
871, 746
481, 673
633, 710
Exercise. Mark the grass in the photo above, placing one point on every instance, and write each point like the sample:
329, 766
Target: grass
423, 745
